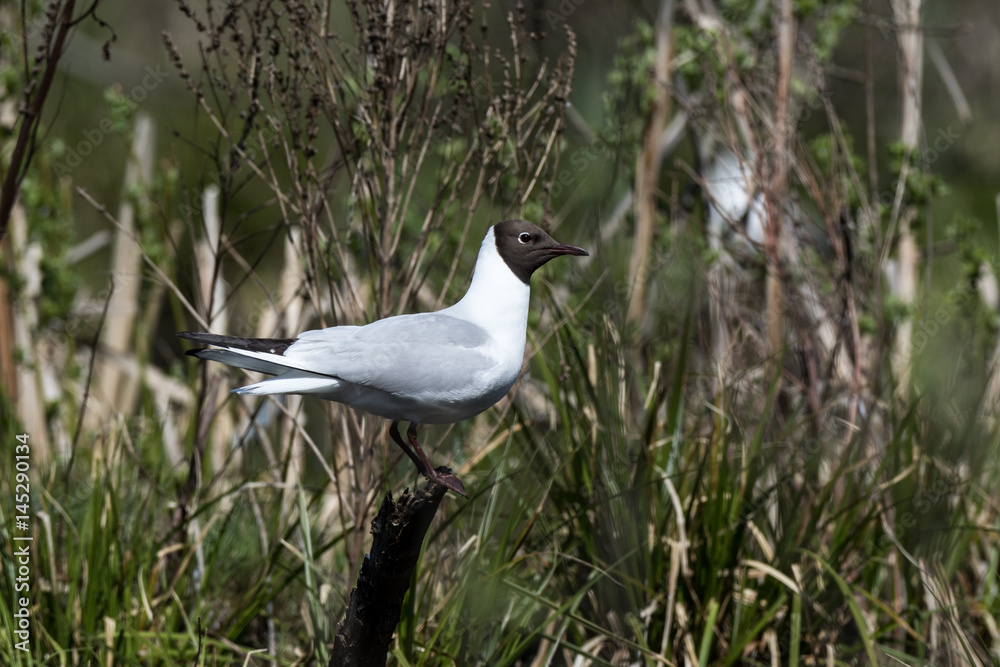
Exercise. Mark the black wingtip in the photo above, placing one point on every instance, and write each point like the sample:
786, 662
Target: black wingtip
272, 345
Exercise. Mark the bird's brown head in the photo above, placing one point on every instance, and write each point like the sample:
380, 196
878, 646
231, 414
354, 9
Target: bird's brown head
525, 247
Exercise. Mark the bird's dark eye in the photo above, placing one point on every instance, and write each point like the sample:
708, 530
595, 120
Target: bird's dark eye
524, 237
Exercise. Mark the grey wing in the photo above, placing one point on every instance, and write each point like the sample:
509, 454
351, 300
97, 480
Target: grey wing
399, 355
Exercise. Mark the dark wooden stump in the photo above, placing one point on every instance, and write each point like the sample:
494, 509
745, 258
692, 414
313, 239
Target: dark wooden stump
376, 603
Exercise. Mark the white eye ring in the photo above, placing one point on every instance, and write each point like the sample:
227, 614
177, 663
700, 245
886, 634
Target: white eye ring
523, 237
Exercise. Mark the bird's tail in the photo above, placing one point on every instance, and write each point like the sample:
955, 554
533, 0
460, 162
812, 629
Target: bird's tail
263, 355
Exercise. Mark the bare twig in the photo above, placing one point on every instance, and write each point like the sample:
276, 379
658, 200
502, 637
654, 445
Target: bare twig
648, 166
776, 191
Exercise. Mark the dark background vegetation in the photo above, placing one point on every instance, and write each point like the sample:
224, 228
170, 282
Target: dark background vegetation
724, 449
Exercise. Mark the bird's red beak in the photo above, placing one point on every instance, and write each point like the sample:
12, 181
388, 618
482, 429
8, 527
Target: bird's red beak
566, 249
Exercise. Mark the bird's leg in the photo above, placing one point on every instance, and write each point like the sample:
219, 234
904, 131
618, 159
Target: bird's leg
398, 439
442, 476
416, 454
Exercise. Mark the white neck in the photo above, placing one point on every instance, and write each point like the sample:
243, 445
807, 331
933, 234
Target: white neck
497, 300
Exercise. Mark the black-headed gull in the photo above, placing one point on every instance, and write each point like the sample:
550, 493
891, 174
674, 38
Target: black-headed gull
426, 368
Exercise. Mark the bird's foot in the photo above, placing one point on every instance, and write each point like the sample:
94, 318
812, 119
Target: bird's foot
442, 475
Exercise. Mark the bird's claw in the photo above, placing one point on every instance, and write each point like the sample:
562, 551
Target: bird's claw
442, 475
